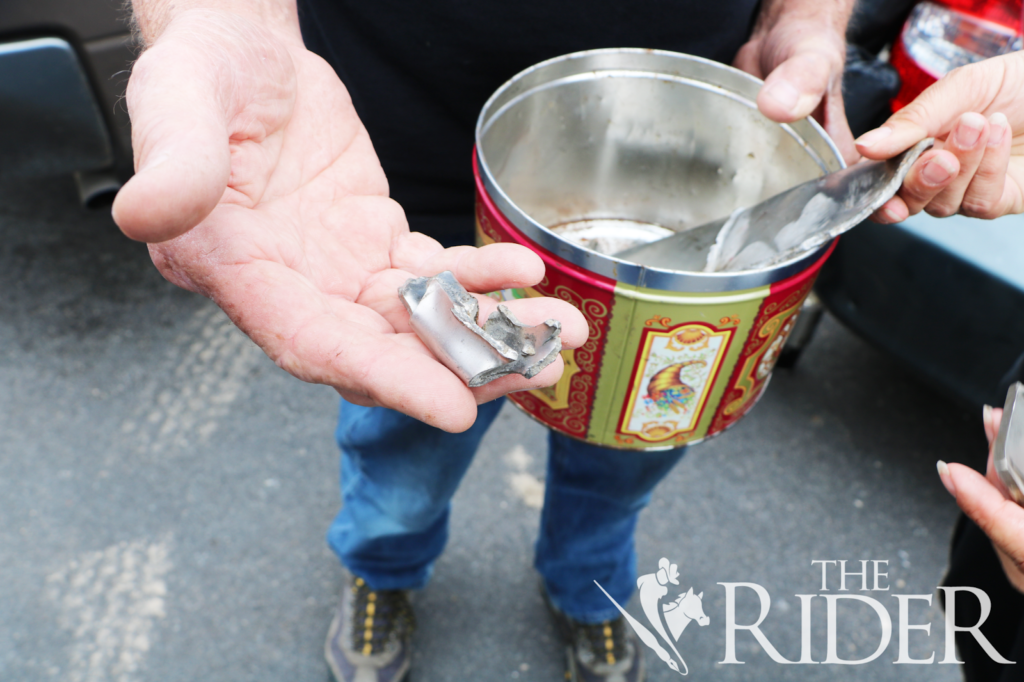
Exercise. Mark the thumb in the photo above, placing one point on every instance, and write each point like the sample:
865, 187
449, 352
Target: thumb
1001, 519
794, 89
932, 114
180, 139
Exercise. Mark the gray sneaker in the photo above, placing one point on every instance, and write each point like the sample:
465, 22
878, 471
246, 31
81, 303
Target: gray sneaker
369, 637
600, 652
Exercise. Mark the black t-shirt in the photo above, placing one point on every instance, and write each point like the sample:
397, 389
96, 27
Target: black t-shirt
420, 71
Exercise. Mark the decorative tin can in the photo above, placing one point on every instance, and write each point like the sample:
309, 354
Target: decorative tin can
645, 140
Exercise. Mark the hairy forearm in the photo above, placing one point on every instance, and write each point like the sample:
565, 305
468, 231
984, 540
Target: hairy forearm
834, 14
151, 17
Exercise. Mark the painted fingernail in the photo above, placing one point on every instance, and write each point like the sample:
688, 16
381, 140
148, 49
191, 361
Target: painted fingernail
935, 173
784, 94
944, 476
998, 127
873, 137
968, 131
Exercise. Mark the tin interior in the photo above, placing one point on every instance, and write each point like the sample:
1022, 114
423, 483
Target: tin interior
648, 136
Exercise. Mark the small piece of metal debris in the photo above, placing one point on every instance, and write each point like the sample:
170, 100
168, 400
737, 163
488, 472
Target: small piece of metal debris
443, 315
1008, 452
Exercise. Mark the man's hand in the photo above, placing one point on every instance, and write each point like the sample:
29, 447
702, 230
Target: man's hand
798, 48
987, 502
976, 114
258, 186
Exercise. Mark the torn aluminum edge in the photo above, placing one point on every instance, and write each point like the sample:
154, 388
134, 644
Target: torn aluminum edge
823, 218
1008, 455
443, 315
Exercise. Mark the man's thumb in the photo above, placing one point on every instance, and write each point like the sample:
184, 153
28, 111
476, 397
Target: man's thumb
180, 139
794, 89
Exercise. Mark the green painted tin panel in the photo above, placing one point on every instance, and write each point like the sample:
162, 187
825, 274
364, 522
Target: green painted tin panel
638, 310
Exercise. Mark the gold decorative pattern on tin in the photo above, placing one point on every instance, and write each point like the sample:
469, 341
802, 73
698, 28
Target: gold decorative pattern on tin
759, 355
767, 364
557, 396
659, 320
484, 223
730, 321
689, 338
659, 430
573, 416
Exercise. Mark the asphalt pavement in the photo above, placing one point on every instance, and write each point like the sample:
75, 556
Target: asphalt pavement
165, 490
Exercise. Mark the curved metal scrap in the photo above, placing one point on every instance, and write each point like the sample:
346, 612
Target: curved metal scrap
1008, 454
799, 220
444, 315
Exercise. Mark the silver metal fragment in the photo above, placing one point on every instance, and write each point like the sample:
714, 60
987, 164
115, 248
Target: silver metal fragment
443, 315
1008, 455
798, 220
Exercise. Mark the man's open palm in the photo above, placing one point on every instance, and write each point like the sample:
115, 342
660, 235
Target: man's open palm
258, 186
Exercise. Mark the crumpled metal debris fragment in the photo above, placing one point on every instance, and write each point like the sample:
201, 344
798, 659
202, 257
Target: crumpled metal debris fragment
1008, 452
443, 315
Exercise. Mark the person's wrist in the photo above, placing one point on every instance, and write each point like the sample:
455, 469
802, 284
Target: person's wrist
830, 16
152, 18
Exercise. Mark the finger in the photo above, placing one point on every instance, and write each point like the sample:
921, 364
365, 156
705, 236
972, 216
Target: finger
534, 311
485, 269
381, 295
507, 384
985, 196
836, 124
180, 138
386, 371
329, 340
393, 375
935, 111
513, 383
529, 311
748, 58
991, 417
929, 175
967, 142
796, 87
1001, 519
358, 398
839, 130
893, 211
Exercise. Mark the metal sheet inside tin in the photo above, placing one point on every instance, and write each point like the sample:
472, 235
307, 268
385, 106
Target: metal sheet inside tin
609, 236
643, 137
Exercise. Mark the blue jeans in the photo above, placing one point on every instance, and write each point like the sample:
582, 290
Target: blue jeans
398, 476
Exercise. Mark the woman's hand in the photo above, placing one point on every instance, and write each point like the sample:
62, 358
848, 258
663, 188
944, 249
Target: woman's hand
976, 114
987, 502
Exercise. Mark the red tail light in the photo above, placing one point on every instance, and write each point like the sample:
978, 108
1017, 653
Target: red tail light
940, 36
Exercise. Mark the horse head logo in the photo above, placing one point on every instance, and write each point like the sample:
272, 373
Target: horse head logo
668, 617
681, 612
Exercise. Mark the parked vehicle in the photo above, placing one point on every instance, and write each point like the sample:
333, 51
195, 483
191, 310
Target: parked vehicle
63, 71
940, 35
